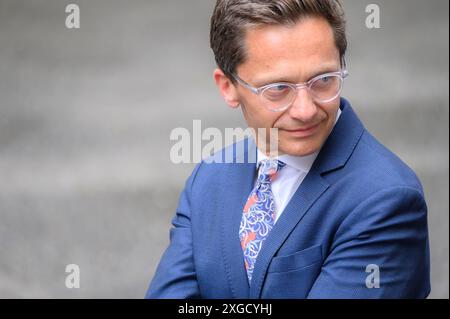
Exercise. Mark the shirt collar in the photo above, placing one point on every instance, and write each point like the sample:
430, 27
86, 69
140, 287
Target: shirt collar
300, 163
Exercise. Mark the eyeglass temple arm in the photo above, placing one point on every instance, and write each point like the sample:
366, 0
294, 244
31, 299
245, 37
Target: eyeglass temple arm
245, 84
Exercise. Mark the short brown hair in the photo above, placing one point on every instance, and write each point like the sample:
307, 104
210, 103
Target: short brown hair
232, 18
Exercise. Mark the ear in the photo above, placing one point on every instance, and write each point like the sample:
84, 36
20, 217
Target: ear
226, 88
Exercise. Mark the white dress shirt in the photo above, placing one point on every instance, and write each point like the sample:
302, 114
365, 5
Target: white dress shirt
291, 176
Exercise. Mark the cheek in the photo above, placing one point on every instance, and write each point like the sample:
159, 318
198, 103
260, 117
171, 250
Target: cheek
332, 108
257, 116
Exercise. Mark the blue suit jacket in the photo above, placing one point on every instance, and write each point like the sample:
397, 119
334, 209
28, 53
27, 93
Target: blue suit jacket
359, 205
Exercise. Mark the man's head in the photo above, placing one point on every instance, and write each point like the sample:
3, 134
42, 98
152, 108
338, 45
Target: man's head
267, 41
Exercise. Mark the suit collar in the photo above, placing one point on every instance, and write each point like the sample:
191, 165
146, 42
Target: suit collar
342, 140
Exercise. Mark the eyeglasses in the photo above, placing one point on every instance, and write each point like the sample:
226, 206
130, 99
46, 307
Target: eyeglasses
278, 97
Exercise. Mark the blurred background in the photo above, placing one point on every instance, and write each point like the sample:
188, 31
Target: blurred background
86, 115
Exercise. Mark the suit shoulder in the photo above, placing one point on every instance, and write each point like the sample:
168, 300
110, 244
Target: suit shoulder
216, 167
379, 165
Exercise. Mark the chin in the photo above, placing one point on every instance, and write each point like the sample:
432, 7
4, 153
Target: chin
297, 149
301, 146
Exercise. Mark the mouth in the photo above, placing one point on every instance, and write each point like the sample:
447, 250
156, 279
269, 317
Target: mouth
303, 132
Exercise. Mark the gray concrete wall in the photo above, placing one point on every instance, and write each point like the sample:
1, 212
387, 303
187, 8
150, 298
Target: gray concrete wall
85, 118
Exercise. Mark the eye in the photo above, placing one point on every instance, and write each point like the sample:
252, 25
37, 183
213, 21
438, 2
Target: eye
277, 91
325, 82
325, 79
280, 87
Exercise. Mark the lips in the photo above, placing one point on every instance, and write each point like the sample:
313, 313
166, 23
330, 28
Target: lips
303, 129
303, 132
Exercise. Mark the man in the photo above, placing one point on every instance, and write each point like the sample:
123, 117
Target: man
336, 215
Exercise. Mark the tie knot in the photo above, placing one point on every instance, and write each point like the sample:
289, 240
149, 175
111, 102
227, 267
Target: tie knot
268, 170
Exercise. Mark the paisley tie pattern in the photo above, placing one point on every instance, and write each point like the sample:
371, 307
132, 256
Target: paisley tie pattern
259, 214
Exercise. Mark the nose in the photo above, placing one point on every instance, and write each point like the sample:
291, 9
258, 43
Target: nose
303, 107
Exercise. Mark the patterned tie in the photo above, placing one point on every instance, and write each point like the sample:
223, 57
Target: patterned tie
259, 214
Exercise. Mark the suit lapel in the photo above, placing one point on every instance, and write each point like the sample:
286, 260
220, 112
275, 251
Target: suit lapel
238, 185
333, 155
309, 191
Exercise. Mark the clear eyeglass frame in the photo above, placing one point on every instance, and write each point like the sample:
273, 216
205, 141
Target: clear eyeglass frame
341, 75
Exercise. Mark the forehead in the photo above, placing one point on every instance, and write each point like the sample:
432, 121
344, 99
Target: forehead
291, 51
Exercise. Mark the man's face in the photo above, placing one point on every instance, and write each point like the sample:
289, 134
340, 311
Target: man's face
293, 54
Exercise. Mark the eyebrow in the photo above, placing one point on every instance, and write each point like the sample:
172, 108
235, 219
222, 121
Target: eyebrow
266, 81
